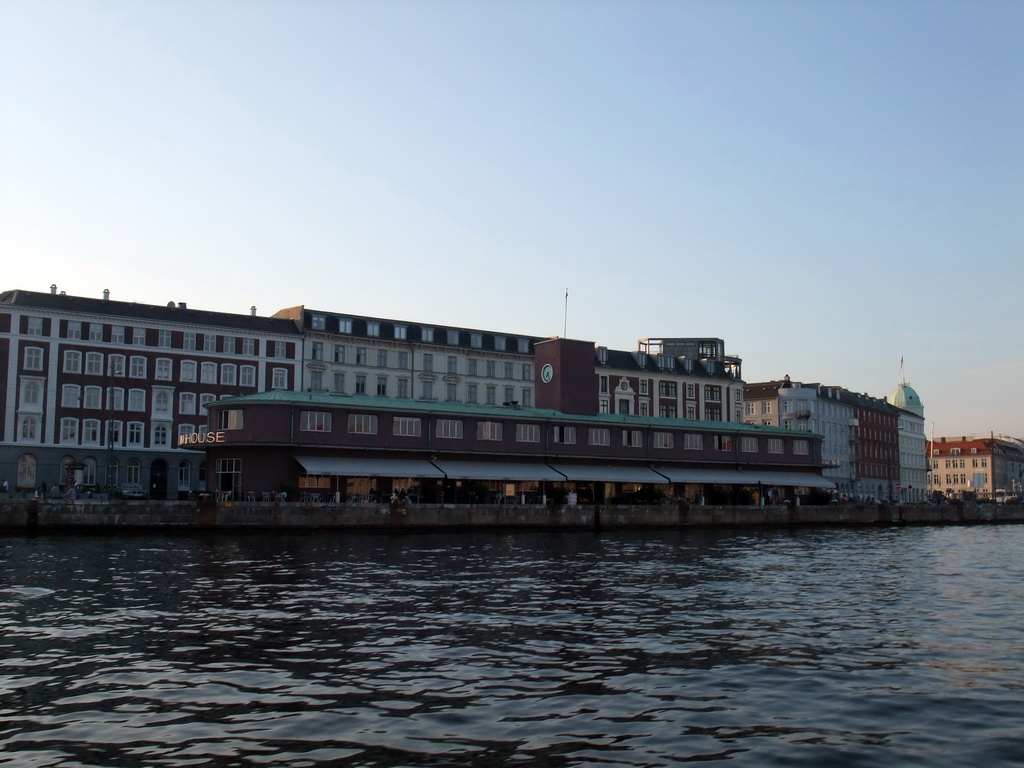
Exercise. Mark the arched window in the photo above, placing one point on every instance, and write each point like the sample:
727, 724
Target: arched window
67, 471
89, 471
26, 471
134, 471
31, 394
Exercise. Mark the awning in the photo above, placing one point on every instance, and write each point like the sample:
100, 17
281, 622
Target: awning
739, 477
495, 470
362, 467
607, 474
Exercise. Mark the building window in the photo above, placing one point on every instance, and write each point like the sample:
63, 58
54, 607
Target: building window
406, 426
204, 400
134, 472
74, 329
28, 428
748, 408
184, 477
723, 443
249, 347
471, 366
449, 428
774, 445
766, 406
748, 445
693, 442
372, 328
230, 418
667, 411
227, 374
137, 367
527, 398
509, 370
632, 438
161, 403
91, 431
189, 341
453, 336
164, 369
315, 421
187, 403
134, 438
247, 376
117, 334
280, 378
35, 326
451, 392
602, 406
360, 355
209, 342
453, 364
188, 370
339, 382
164, 339
382, 358
403, 387
27, 471
488, 430
603, 385
471, 393
428, 361
492, 394
93, 398
362, 424
564, 435
360, 383
476, 340
72, 361
427, 335
136, 400
208, 373
339, 353
139, 337
33, 359
229, 476
663, 440
94, 363
599, 436
492, 368
69, 430
527, 433
401, 332
317, 350
70, 396
229, 345
801, 447
318, 322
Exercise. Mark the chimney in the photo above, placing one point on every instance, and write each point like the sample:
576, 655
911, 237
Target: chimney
252, 310
181, 305
53, 289
106, 294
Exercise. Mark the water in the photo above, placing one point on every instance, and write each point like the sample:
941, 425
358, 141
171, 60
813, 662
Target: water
895, 647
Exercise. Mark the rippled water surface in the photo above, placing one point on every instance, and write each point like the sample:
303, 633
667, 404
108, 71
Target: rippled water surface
887, 647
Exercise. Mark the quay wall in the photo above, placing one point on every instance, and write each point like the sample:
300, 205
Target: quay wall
31, 514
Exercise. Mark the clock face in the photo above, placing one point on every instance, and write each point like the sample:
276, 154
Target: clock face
547, 373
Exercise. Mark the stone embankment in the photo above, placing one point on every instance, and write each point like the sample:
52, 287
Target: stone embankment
29, 514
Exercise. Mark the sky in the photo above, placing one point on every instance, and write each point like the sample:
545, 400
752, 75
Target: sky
830, 187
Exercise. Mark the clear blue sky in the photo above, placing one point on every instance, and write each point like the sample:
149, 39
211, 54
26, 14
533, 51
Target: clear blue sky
828, 186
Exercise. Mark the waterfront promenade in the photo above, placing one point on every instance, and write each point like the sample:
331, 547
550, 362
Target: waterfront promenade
19, 514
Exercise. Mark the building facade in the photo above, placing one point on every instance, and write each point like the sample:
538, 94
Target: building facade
97, 391
913, 485
972, 468
811, 408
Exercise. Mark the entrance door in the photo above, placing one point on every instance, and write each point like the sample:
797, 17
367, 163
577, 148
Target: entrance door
158, 479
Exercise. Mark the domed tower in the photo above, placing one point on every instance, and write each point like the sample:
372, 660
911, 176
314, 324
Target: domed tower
905, 397
913, 486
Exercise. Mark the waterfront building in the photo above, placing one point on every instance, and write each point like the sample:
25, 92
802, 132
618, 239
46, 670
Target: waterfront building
333, 446
976, 468
96, 391
875, 435
350, 354
810, 408
913, 485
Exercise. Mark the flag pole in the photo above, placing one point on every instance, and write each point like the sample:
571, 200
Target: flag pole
565, 316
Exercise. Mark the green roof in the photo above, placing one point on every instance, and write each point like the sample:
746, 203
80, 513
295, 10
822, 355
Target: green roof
370, 402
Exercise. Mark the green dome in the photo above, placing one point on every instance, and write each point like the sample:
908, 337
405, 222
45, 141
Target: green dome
904, 396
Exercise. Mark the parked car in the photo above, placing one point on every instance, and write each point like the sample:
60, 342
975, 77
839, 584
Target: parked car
132, 491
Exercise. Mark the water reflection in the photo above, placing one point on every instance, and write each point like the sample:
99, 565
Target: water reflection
893, 646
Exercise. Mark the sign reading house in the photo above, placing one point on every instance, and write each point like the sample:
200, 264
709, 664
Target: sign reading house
197, 438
